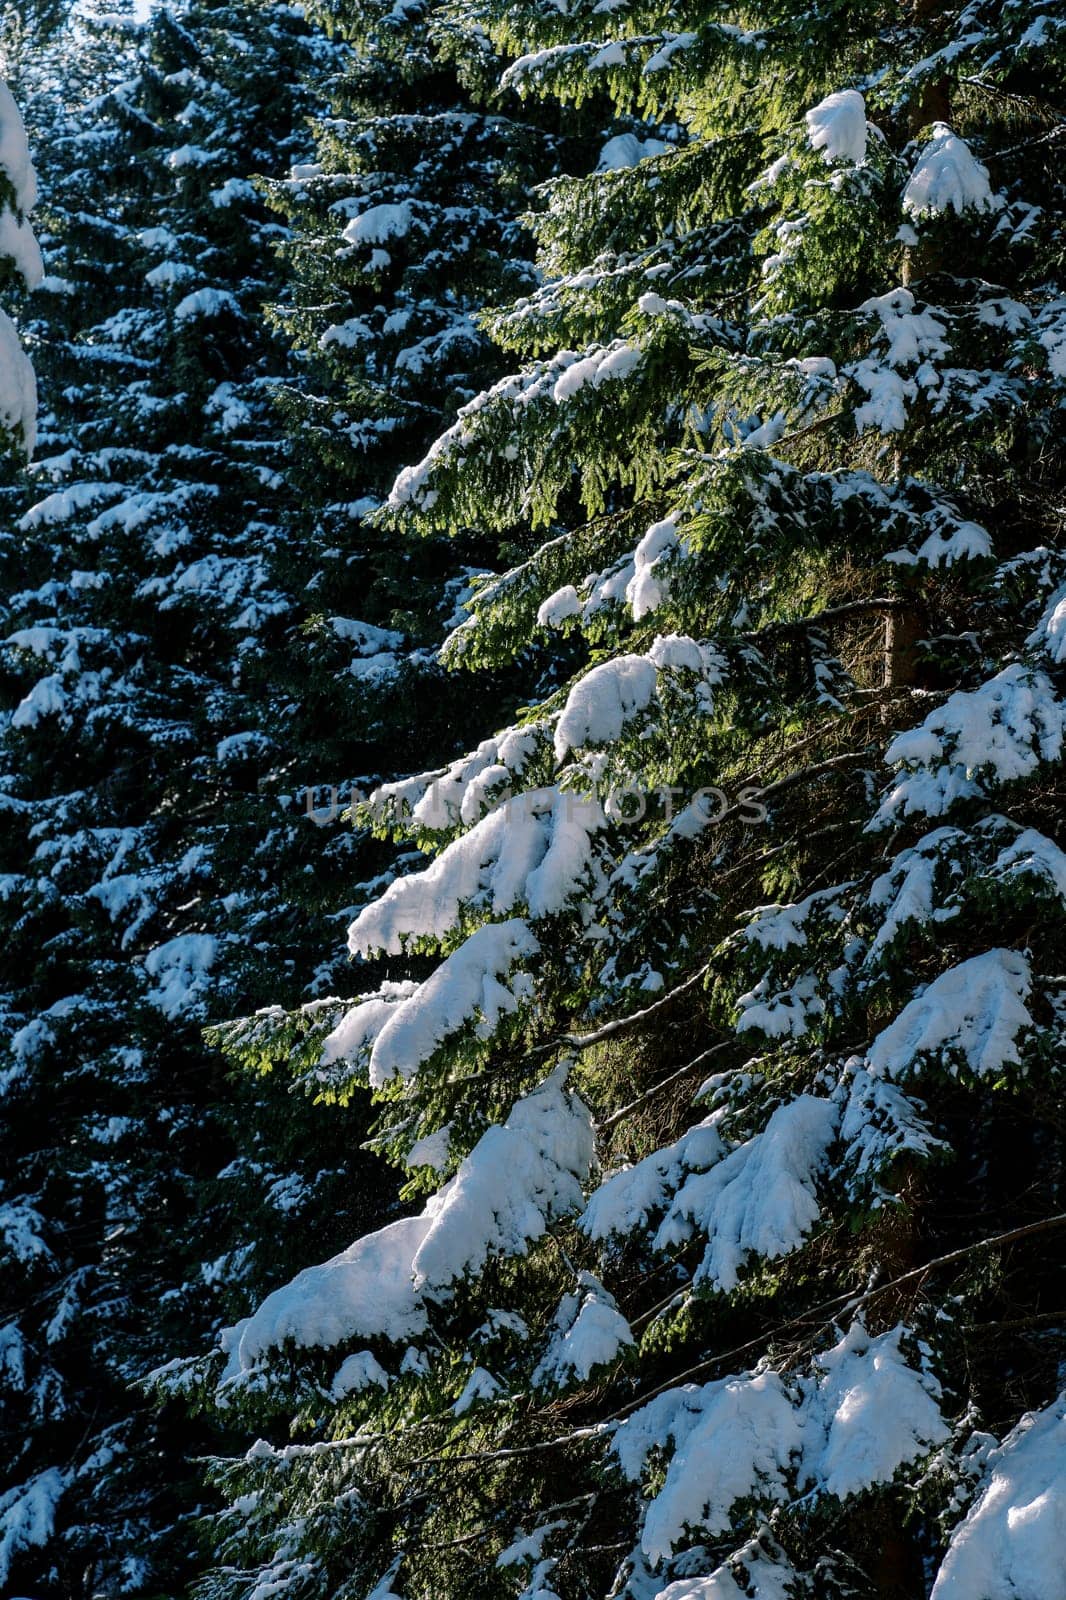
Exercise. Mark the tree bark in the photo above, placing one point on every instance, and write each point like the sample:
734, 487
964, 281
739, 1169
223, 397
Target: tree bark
901, 647
933, 105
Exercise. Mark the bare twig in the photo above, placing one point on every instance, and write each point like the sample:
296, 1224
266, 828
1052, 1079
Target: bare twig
852, 608
851, 1301
579, 1436
664, 1083
584, 1041
542, 1514
752, 795
825, 1309
1042, 108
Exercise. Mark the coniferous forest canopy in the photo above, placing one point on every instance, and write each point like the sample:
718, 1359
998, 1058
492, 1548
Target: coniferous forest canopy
532, 761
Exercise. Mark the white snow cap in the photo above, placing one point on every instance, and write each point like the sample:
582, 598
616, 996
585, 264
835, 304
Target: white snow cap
358, 1372
379, 223
948, 177
975, 1011
763, 1576
837, 126
467, 987
180, 968
15, 151
611, 695
18, 389
517, 1179
603, 701
589, 1331
18, 386
558, 607
873, 1414
626, 150
18, 244
863, 1413
1011, 1545
997, 733
27, 1515
538, 855
206, 303
1050, 634
648, 587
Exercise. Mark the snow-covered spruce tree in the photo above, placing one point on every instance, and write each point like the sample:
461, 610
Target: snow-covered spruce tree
183, 661
357, 684
404, 227
733, 1087
148, 884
